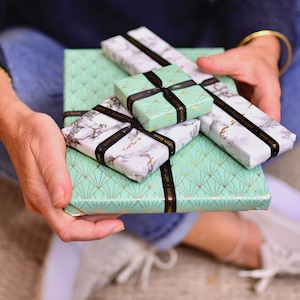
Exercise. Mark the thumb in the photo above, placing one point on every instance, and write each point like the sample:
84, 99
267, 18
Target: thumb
220, 64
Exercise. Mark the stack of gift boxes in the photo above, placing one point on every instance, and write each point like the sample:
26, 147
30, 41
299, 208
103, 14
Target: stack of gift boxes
176, 138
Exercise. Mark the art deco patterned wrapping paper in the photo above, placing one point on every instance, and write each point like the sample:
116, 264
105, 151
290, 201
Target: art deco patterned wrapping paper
162, 97
243, 130
204, 177
109, 134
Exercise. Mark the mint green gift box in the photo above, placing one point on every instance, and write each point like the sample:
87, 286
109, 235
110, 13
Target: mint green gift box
162, 97
203, 177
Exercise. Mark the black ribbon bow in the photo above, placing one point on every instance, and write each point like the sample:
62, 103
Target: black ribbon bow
133, 123
167, 93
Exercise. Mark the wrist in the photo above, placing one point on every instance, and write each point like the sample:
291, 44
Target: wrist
275, 41
12, 109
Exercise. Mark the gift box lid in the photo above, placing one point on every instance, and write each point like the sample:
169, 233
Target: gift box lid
200, 177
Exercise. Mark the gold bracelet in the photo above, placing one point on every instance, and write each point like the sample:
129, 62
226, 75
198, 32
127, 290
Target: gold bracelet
277, 34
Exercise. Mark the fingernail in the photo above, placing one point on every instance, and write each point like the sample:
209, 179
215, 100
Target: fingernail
118, 229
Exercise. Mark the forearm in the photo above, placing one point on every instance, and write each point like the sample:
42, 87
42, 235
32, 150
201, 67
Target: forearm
12, 110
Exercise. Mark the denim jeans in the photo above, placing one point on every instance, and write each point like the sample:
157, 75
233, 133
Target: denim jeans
41, 88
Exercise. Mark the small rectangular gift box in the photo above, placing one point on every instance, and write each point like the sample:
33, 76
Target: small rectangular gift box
199, 177
243, 130
162, 97
109, 134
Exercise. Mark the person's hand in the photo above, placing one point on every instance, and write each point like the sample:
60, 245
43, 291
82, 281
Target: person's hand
37, 149
254, 67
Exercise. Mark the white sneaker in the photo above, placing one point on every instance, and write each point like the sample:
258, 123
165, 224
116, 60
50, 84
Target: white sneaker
280, 253
121, 257
73, 271
59, 272
276, 261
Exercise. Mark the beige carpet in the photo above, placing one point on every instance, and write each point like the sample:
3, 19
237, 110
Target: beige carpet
23, 244
24, 239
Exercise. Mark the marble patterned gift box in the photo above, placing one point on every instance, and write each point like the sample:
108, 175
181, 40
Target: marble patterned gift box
200, 177
162, 97
140, 51
109, 134
231, 130
244, 131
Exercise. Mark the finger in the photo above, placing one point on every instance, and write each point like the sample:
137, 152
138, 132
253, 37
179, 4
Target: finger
227, 63
95, 218
70, 228
83, 230
267, 98
52, 165
262, 89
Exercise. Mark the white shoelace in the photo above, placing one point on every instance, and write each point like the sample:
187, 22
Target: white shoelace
142, 264
275, 261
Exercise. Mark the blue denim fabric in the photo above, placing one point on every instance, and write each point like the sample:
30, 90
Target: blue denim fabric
27, 52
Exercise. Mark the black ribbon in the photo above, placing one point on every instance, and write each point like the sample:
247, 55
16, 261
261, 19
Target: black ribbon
165, 169
160, 60
273, 144
167, 93
133, 123
75, 113
169, 187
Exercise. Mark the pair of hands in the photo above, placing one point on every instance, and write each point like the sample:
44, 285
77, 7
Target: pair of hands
37, 148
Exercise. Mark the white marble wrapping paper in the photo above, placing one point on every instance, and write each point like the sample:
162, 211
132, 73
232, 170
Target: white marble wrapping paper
246, 147
218, 125
136, 155
134, 61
